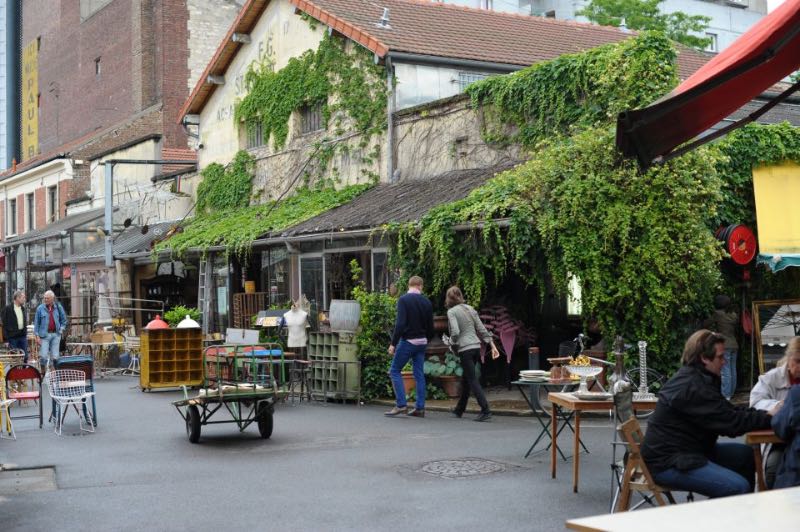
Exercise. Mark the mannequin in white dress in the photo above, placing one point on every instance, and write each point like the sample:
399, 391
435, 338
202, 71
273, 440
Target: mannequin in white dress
296, 322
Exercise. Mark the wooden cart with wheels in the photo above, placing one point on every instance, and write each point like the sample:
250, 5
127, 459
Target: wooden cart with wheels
234, 384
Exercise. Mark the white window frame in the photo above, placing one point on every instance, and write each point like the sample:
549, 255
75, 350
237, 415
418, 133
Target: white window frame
51, 210
30, 211
713, 46
11, 221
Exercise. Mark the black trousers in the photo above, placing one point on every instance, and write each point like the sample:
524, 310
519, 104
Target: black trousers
470, 382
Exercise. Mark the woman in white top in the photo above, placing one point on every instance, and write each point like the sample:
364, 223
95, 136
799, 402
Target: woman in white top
771, 389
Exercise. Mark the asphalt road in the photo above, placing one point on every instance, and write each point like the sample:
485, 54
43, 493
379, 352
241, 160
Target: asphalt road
327, 467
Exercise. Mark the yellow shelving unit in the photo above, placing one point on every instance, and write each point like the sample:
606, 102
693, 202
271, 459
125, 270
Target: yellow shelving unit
171, 358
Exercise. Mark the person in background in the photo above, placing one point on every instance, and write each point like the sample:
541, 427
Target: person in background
49, 324
771, 391
724, 321
412, 330
786, 425
466, 333
15, 323
680, 446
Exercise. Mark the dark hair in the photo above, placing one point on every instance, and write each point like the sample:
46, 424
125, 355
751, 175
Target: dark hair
721, 302
701, 345
453, 297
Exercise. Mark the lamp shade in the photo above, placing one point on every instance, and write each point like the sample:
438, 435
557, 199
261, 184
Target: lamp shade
188, 323
157, 323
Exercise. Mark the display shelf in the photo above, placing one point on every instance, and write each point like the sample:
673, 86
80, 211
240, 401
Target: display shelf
335, 370
171, 358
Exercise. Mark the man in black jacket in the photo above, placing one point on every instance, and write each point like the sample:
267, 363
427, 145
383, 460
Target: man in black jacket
412, 330
15, 323
680, 447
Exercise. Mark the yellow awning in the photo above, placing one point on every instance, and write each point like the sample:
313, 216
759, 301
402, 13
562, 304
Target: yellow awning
777, 189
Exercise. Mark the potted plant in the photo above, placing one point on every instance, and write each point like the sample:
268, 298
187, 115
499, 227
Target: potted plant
448, 372
408, 378
178, 313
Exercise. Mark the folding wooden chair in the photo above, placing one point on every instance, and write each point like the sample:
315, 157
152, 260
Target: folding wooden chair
636, 477
5, 414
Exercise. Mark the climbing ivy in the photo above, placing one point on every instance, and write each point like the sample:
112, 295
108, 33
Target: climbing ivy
343, 79
575, 90
236, 228
226, 187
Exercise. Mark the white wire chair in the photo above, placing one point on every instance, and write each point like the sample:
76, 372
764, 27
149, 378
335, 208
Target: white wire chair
67, 387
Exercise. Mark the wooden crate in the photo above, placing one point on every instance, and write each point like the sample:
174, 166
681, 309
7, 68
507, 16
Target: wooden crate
245, 306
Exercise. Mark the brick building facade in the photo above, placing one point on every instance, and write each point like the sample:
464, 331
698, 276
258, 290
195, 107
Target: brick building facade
110, 75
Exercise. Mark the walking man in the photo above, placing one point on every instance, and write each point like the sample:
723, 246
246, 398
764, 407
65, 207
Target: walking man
413, 328
15, 323
49, 324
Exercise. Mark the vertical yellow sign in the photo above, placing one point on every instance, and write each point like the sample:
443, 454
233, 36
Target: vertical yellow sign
30, 100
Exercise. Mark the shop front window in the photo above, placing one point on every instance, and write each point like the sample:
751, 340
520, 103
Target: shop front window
275, 264
312, 283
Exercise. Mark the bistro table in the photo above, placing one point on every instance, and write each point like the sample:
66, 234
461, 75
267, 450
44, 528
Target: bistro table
774, 510
532, 398
757, 438
567, 401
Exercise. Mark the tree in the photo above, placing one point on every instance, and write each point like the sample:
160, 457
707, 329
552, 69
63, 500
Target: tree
645, 15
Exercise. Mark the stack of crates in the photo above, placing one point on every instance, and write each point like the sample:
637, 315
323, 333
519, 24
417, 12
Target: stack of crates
171, 358
330, 378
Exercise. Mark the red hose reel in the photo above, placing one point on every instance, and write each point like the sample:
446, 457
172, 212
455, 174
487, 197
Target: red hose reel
739, 242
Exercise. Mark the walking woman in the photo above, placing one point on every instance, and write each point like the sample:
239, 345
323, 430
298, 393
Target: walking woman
466, 333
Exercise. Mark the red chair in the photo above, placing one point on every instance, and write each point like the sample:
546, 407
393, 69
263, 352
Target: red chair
25, 373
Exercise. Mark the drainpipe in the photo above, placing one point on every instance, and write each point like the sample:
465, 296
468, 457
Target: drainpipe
13, 83
389, 124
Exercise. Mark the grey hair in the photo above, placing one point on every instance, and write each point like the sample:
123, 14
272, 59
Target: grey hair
49, 293
16, 294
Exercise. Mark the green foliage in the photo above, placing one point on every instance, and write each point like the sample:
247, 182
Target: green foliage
378, 311
575, 90
224, 188
646, 15
451, 366
237, 228
344, 81
178, 313
639, 243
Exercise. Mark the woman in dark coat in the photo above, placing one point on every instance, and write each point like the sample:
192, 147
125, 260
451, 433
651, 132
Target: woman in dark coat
680, 447
786, 425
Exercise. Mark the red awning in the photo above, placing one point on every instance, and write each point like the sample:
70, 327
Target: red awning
763, 56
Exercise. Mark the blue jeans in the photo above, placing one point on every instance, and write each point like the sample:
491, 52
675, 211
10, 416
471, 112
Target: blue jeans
20, 342
728, 373
731, 473
49, 349
402, 354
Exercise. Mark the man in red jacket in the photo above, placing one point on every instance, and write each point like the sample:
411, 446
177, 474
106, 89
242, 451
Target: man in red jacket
412, 330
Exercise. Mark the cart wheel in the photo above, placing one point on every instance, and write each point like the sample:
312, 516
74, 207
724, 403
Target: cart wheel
264, 420
193, 423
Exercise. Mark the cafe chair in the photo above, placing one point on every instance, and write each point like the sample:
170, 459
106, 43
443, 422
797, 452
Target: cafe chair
67, 388
24, 383
5, 413
636, 477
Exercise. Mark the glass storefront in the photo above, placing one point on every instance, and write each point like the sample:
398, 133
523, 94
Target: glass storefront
275, 266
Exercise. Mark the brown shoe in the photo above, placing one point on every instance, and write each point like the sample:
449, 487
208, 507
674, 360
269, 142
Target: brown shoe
416, 412
396, 410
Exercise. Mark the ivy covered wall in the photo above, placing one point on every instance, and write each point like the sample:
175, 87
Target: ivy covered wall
641, 244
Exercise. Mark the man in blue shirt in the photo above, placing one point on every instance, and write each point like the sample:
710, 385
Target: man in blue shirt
412, 330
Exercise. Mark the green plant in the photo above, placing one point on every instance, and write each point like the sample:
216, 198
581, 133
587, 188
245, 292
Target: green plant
450, 367
178, 313
378, 312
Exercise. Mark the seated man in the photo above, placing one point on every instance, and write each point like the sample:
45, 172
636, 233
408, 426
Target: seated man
770, 391
680, 446
786, 424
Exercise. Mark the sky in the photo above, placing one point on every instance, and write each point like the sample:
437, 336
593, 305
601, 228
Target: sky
772, 4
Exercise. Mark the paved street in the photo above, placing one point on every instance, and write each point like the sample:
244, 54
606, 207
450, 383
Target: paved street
326, 467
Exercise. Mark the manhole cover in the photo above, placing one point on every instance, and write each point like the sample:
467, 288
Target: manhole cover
16, 481
463, 468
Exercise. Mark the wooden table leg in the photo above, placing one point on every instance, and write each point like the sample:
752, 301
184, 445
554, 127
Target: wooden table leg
553, 438
762, 485
576, 453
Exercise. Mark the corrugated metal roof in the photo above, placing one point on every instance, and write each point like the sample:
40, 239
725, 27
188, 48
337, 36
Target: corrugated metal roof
128, 243
54, 229
398, 202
